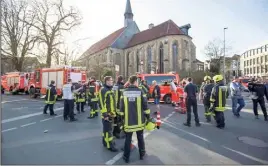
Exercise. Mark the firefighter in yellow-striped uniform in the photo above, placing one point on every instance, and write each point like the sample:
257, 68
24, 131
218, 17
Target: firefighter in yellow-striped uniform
145, 88
108, 113
80, 99
93, 97
218, 100
50, 99
118, 90
134, 109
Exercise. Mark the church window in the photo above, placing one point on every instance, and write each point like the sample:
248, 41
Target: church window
161, 59
127, 62
175, 55
149, 59
137, 60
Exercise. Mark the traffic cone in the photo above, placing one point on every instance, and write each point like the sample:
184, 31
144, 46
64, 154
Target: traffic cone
158, 120
182, 105
132, 146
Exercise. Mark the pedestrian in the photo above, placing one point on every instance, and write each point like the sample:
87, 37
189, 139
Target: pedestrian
204, 95
258, 91
68, 97
236, 96
108, 112
50, 99
218, 100
156, 95
191, 93
118, 90
134, 104
93, 97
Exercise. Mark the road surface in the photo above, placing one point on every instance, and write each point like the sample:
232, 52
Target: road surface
29, 137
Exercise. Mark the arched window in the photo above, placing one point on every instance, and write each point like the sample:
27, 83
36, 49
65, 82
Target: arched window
127, 63
174, 56
161, 58
137, 60
149, 59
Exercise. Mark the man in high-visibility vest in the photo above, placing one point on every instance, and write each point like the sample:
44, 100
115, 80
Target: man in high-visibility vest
50, 99
93, 95
108, 113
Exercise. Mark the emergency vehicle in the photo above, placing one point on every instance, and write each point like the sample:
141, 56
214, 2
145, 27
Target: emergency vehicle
15, 82
41, 78
163, 81
244, 81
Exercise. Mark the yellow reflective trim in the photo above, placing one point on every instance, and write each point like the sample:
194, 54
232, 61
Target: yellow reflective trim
133, 130
116, 96
126, 110
220, 97
144, 95
220, 109
139, 110
147, 111
208, 113
101, 102
134, 126
107, 140
112, 103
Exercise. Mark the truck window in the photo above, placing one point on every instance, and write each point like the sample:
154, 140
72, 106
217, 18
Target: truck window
37, 76
159, 79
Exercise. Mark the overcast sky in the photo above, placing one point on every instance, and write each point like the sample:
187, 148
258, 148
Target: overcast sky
247, 20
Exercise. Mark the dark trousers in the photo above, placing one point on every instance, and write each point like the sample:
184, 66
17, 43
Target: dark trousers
262, 104
206, 103
80, 105
107, 135
191, 102
141, 143
117, 125
68, 109
51, 108
93, 108
219, 117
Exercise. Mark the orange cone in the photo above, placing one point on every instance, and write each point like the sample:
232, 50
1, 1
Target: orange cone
132, 146
158, 120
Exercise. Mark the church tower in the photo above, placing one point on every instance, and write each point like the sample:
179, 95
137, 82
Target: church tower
128, 14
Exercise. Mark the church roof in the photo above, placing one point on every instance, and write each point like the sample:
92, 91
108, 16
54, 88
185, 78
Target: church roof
105, 42
164, 29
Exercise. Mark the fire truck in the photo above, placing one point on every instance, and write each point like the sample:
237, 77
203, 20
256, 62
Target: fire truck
163, 81
15, 82
41, 78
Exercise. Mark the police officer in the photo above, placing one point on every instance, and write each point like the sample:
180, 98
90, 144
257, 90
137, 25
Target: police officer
108, 112
80, 98
50, 99
118, 89
68, 96
134, 108
205, 92
93, 97
191, 91
218, 100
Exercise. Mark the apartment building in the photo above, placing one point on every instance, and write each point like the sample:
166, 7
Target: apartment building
254, 62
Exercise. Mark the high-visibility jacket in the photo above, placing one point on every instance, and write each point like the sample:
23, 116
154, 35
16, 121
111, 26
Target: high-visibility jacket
93, 91
134, 109
51, 95
218, 97
107, 102
145, 89
118, 89
80, 96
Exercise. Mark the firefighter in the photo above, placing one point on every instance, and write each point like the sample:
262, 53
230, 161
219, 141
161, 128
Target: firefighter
145, 88
118, 89
93, 95
218, 97
133, 103
204, 95
108, 113
80, 98
50, 99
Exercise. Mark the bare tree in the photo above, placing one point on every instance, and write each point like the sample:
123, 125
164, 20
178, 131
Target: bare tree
68, 56
18, 37
52, 21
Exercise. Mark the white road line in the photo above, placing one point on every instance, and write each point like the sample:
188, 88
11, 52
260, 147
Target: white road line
45, 119
26, 116
14, 128
28, 124
13, 101
248, 156
119, 155
58, 116
197, 136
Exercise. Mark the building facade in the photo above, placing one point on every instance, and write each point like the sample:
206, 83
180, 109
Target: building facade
254, 62
158, 49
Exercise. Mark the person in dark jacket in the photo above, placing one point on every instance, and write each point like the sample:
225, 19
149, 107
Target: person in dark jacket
145, 88
50, 99
93, 97
156, 95
258, 91
134, 109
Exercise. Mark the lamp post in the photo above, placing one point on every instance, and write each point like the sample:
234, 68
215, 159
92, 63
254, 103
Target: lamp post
224, 52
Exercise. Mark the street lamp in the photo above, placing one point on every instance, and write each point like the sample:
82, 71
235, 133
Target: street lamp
224, 52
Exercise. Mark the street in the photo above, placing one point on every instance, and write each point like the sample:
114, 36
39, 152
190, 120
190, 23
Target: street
29, 137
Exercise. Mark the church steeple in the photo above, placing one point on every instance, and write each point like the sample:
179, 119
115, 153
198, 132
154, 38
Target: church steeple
128, 14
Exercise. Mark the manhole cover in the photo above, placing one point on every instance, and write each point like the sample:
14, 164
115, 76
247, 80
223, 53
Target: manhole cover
253, 142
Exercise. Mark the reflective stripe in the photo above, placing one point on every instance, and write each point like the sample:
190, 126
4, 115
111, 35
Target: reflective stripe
112, 104
126, 111
116, 96
147, 111
207, 113
103, 109
139, 110
134, 129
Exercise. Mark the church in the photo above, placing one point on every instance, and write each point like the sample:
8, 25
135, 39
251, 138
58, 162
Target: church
159, 49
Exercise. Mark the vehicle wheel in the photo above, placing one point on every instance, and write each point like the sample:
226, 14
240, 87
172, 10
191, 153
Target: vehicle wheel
32, 93
167, 99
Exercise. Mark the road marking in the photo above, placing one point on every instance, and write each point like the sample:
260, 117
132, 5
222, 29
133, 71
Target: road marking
28, 124
248, 156
14, 128
45, 119
119, 155
58, 116
197, 136
27, 116
13, 101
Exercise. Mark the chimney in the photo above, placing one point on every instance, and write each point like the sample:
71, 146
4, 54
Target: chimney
151, 26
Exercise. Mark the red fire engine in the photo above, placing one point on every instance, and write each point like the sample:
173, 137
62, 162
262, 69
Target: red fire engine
244, 81
15, 82
41, 78
163, 80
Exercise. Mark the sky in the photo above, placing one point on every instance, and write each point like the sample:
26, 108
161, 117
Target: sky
247, 20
